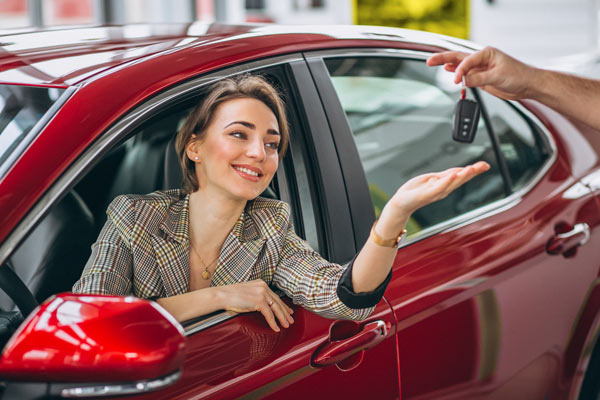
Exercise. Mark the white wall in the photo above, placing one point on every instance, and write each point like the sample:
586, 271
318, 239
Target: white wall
333, 12
536, 30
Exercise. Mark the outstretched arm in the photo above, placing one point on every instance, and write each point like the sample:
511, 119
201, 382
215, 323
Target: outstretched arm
373, 263
508, 78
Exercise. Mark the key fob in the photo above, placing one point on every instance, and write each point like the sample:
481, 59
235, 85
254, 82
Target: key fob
466, 118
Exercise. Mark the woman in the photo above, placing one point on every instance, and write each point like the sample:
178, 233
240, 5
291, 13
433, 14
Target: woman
215, 244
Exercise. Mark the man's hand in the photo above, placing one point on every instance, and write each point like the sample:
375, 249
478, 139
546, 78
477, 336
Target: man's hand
490, 69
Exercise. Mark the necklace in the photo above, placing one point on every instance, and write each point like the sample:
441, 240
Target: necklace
206, 272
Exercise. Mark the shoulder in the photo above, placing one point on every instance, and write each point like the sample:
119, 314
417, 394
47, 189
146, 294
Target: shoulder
158, 199
269, 215
127, 208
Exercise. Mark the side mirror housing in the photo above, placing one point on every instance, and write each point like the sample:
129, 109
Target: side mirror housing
89, 342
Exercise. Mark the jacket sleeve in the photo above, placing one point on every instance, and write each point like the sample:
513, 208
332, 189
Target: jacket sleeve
313, 282
109, 268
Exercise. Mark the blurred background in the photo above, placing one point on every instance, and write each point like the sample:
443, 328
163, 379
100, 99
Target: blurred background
561, 34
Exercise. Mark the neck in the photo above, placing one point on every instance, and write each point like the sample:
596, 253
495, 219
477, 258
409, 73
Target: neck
211, 218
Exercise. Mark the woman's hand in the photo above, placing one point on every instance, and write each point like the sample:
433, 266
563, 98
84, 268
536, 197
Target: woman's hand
256, 296
428, 188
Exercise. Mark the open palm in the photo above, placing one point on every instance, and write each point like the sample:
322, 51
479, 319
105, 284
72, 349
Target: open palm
428, 188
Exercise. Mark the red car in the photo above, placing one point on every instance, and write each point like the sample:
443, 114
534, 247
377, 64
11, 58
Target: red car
495, 294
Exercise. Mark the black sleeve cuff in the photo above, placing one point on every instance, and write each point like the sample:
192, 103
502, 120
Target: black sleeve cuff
153, 298
345, 291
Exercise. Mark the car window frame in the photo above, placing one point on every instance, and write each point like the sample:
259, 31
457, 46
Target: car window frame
357, 187
129, 121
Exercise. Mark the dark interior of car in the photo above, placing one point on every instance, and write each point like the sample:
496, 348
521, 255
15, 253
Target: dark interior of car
52, 256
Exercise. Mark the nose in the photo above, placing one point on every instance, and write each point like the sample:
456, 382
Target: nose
256, 150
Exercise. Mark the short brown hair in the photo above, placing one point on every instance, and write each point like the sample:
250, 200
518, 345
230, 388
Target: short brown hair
244, 86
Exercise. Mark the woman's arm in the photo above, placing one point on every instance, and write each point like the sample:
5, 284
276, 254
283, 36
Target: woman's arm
241, 297
373, 263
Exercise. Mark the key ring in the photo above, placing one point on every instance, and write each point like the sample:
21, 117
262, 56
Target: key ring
463, 90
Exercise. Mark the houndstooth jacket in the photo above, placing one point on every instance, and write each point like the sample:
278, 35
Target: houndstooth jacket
143, 249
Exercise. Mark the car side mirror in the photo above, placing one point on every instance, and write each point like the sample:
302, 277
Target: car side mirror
88, 346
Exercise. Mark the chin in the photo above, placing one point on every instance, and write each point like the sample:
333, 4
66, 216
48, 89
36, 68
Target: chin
246, 195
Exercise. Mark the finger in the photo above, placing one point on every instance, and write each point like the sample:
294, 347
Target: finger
479, 78
287, 309
446, 57
450, 67
481, 166
266, 311
478, 60
281, 314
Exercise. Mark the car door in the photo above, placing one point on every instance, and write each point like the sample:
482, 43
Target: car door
483, 309
229, 355
240, 356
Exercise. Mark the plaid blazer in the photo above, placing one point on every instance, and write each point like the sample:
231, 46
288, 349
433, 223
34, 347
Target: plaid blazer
143, 249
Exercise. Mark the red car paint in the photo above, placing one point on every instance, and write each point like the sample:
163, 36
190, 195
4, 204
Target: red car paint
479, 311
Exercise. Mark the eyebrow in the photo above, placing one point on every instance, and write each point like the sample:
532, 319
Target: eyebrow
252, 126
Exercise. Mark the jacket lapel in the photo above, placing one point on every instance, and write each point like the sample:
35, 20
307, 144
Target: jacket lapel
171, 246
239, 253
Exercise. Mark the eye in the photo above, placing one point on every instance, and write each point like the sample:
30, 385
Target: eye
273, 145
238, 134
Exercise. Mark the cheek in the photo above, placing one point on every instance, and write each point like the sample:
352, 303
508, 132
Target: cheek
271, 164
221, 152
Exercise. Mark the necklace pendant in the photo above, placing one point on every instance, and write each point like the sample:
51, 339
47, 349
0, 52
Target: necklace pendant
206, 275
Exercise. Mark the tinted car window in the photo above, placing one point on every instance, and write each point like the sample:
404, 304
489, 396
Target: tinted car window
400, 112
20, 108
520, 143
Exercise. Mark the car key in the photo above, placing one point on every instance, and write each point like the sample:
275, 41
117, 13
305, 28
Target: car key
466, 118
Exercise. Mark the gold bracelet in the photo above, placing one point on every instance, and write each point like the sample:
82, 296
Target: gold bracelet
378, 240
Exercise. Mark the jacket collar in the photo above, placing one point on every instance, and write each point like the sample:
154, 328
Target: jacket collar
176, 222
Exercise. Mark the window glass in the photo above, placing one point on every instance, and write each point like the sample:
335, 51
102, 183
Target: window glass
401, 112
520, 142
21, 107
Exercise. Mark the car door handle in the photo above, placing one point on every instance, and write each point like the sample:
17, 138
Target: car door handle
564, 242
336, 351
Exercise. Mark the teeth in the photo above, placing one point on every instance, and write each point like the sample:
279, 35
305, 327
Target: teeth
246, 171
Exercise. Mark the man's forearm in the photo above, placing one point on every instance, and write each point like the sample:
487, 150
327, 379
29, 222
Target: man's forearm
571, 95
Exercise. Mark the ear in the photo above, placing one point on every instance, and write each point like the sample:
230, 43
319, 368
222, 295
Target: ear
191, 149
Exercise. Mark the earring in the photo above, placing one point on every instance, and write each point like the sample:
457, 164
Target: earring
196, 158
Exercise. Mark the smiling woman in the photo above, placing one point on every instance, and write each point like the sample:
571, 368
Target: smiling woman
216, 244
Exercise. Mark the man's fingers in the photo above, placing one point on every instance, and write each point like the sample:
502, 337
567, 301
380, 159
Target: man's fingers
450, 67
446, 57
478, 60
479, 78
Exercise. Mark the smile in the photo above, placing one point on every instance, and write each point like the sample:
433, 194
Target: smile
248, 172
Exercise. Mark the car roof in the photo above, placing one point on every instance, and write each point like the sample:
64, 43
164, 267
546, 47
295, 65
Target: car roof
69, 56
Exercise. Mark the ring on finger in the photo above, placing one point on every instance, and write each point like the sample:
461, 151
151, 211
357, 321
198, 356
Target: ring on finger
270, 301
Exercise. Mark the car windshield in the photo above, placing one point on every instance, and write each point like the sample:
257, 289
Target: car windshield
21, 107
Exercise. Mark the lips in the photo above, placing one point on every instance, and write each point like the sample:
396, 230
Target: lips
248, 172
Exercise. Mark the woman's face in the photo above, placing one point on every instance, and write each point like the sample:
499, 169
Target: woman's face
238, 155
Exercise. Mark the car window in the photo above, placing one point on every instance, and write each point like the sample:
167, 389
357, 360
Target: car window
400, 113
52, 256
520, 142
21, 107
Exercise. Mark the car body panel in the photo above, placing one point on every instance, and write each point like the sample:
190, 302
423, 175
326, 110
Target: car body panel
244, 358
494, 285
475, 310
